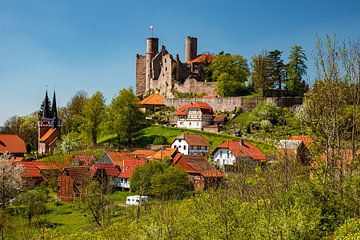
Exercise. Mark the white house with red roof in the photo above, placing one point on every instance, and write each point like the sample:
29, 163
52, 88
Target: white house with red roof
191, 144
231, 152
127, 168
194, 115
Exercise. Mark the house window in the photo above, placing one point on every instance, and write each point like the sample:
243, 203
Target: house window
175, 146
220, 153
228, 153
184, 147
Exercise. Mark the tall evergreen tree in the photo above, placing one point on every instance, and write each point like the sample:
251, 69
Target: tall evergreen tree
276, 70
296, 69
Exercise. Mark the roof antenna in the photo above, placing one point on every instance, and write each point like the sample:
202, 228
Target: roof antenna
152, 30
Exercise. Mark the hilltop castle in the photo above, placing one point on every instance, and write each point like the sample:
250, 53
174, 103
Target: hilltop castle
160, 72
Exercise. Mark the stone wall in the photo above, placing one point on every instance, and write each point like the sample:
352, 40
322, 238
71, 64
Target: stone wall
140, 74
231, 103
193, 86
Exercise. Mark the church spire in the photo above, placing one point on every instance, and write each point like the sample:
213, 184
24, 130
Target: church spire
45, 107
54, 112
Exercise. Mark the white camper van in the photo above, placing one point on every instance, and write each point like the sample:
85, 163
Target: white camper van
135, 200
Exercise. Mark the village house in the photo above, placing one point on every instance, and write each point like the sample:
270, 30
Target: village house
82, 160
144, 153
31, 174
194, 116
127, 168
72, 182
165, 154
191, 144
294, 149
105, 174
201, 173
152, 102
13, 145
238, 152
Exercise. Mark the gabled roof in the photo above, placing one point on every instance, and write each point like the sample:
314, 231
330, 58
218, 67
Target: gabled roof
30, 169
80, 175
194, 139
167, 153
203, 106
154, 99
118, 157
110, 169
129, 166
289, 144
143, 152
12, 143
306, 139
242, 150
48, 134
203, 58
85, 159
196, 165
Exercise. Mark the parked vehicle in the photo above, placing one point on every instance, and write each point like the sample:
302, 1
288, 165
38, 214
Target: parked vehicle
135, 200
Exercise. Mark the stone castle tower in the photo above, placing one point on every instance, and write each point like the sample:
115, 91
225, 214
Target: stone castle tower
49, 126
158, 71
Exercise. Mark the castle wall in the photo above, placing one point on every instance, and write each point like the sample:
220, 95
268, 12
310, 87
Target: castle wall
140, 74
193, 86
231, 103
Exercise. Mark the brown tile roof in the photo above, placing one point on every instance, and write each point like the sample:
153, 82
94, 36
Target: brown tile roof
47, 135
219, 118
194, 139
202, 58
203, 106
196, 165
154, 99
243, 150
167, 153
12, 143
143, 152
306, 139
84, 159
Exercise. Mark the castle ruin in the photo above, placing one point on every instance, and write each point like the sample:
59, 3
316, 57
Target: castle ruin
158, 71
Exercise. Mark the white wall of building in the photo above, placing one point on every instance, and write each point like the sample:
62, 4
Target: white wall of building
224, 157
181, 145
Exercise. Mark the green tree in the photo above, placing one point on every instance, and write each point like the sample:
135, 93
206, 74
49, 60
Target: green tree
94, 114
172, 183
296, 69
124, 117
97, 203
276, 71
73, 113
33, 203
230, 72
259, 73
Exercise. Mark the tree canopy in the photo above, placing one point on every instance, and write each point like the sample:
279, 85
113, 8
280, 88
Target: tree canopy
230, 73
296, 69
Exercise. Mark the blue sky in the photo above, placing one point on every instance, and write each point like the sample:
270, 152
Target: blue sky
91, 45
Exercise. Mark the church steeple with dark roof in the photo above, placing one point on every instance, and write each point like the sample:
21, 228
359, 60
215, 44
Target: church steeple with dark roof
45, 111
54, 112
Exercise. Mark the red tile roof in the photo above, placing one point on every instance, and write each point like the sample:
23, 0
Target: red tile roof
86, 159
118, 157
12, 143
244, 150
203, 106
306, 139
196, 165
30, 169
110, 169
194, 139
202, 58
154, 99
129, 166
